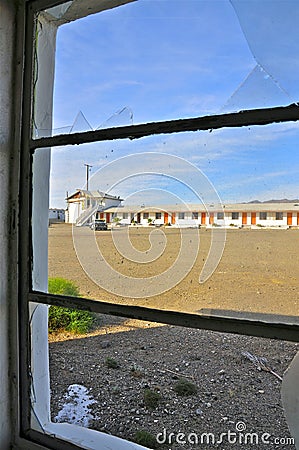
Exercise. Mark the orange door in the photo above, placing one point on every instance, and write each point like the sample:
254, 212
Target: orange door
244, 218
297, 218
173, 218
289, 218
253, 218
108, 217
203, 218
165, 217
211, 219
101, 215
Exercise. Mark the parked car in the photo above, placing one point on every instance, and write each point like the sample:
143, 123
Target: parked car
99, 225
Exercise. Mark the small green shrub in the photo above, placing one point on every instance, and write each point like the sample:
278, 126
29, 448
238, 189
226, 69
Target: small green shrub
60, 286
146, 439
151, 398
68, 319
80, 321
111, 363
184, 387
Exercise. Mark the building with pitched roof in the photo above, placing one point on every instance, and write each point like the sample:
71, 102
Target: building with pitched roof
84, 206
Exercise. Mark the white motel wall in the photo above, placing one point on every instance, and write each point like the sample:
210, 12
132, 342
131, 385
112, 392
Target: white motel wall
253, 215
113, 211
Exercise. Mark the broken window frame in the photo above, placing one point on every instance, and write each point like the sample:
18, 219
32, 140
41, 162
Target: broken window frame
256, 325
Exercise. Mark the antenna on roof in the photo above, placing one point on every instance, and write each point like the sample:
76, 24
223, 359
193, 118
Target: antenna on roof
88, 168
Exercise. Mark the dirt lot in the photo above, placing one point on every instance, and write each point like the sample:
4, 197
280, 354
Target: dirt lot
258, 273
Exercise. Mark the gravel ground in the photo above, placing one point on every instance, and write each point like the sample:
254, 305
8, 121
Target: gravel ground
231, 392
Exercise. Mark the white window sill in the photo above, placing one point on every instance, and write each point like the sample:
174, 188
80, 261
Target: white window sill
89, 439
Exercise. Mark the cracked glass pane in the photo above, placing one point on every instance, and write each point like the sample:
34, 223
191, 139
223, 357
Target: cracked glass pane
80, 124
161, 60
122, 117
272, 34
165, 60
258, 90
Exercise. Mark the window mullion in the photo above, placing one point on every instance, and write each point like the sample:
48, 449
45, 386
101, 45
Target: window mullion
233, 120
281, 327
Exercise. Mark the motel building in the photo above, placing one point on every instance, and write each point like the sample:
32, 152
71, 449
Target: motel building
253, 215
86, 206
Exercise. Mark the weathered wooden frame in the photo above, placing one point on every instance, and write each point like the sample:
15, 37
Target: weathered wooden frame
279, 327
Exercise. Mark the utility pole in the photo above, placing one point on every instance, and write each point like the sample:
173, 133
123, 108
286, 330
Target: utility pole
88, 167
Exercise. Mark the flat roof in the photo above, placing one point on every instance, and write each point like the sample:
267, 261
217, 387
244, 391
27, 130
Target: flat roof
192, 207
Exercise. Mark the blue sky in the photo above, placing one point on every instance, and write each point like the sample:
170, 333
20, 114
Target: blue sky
204, 57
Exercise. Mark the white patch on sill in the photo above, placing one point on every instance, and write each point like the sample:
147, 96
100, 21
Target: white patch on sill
76, 406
